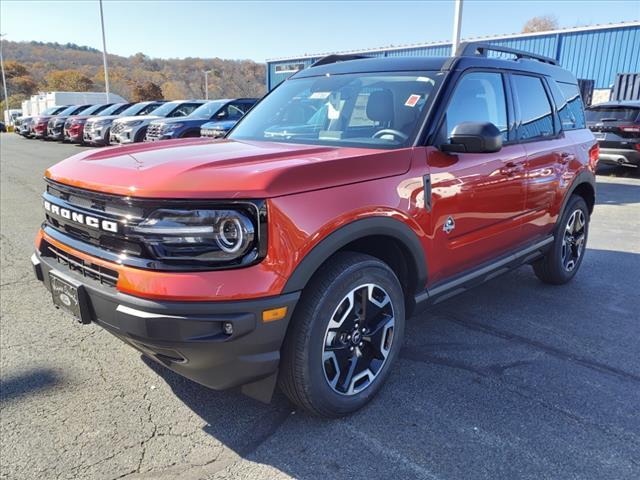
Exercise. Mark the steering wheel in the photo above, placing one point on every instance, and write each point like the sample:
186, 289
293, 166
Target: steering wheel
390, 131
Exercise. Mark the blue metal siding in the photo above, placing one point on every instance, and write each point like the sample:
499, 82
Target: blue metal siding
597, 54
600, 55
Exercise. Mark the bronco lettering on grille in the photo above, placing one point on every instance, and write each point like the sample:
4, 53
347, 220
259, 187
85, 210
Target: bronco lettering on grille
93, 222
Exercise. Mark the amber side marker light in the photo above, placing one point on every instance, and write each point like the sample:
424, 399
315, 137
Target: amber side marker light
274, 314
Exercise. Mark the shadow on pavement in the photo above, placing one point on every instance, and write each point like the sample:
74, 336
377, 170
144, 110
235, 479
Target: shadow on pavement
27, 383
537, 369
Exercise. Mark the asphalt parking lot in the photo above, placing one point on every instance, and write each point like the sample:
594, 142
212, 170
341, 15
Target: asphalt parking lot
512, 380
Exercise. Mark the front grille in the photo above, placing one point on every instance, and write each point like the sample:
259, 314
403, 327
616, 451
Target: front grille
117, 128
154, 131
99, 206
103, 275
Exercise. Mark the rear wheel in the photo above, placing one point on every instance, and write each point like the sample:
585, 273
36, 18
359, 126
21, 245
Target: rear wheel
563, 260
345, 335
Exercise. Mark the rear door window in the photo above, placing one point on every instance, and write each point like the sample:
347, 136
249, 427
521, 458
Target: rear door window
536, 115
478, 97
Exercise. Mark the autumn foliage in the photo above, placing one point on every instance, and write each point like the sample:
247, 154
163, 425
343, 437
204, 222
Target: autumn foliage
36, 66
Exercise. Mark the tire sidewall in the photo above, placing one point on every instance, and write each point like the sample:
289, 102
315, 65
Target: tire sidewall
574, 204
358, 274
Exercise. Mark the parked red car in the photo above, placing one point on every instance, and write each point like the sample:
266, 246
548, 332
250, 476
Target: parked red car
356, 193
74, 125
40, 123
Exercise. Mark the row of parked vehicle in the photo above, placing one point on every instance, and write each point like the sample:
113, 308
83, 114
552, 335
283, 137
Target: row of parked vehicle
122, 123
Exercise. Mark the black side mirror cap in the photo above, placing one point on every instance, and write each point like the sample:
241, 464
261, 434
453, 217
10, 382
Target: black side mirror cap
474, 137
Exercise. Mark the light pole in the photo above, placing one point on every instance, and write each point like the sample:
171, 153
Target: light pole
206, 84
457, 26
4, 80
104, 54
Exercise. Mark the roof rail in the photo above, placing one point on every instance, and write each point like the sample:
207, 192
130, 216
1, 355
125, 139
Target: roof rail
467, 49
337, 58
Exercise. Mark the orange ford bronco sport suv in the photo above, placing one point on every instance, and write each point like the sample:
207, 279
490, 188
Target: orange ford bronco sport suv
292, 251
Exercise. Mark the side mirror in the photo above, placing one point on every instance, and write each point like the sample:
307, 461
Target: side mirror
474, 137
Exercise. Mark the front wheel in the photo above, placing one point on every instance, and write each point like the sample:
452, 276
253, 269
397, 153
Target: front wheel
565, 256
345, 335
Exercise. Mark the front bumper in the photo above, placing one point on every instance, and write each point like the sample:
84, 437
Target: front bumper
188, 337
55, 133
125, 136
96, 136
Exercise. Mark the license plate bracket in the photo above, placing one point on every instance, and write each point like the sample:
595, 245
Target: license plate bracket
70, 296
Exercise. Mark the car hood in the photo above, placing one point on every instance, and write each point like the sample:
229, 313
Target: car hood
97, 118
183, 120
204, 168
222, 124
146, 118
59, 117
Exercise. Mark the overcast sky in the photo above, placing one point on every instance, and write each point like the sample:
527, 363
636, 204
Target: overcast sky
267, 29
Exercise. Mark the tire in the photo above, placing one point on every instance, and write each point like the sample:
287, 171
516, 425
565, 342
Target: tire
139, 137
562, 261
326, 335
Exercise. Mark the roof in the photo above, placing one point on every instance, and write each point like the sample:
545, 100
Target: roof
603, 26
408, 64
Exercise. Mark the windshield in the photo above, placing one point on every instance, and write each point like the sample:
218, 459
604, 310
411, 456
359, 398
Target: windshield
70, 110
207, 110
165, 109
613, 114
371, 110
113, 109
93, 109
53, 110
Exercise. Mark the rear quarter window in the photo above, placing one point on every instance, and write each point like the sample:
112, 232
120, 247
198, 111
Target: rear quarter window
569, 104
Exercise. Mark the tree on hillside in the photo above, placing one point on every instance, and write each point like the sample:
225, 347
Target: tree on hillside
175, 90
68, 80
15, 101
146, 91
14, 69
22, 85
542, 23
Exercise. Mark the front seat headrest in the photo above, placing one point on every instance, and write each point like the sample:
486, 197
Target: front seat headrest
380, 106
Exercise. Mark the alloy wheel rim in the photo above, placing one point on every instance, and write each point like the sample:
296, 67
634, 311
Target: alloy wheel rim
573, 240
358, 339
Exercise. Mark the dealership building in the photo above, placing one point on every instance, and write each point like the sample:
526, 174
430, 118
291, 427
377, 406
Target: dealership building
595, 54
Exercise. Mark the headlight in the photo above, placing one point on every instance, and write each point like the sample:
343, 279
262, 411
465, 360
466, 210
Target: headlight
200, 235
79, 121
133, 123
168, 127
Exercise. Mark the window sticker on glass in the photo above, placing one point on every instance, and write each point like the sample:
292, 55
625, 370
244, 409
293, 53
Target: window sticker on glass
319, 95
412, 101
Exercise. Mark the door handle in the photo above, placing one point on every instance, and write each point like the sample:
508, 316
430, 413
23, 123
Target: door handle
510, 169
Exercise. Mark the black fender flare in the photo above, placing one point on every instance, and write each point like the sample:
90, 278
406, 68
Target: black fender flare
356, 230
584, 176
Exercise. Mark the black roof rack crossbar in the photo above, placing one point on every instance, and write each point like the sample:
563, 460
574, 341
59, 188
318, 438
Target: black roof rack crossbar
337, 58
467, 49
